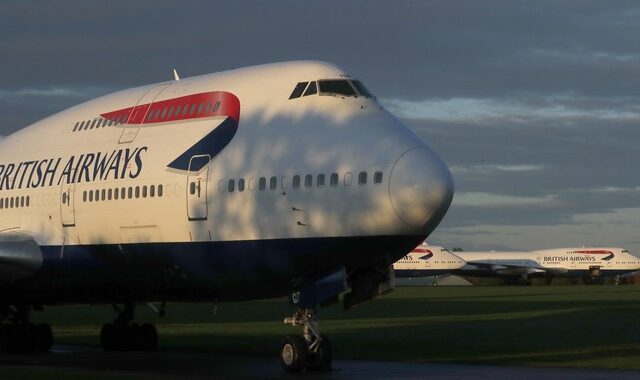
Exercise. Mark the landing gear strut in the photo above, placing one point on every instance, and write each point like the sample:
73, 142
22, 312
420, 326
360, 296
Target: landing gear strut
124, 335
18, 335
312, 350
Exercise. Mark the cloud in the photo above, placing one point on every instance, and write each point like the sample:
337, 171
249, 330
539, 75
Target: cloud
497, 200
560, 108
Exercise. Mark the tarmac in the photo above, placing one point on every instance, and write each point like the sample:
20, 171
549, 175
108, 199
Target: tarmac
197, 365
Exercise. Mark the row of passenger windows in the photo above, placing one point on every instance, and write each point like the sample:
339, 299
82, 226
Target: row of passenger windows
172, 112
298, 181
341, 87
181, 110
14, 202
120, 193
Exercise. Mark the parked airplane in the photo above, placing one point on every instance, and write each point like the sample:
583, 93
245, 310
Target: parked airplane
589, 263
287, 178
427, 261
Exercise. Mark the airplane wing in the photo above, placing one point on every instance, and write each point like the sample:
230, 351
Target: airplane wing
506, 267
20, 256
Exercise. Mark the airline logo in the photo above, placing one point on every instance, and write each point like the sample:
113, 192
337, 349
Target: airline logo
584, 255
428, 252
196, 106
85, 167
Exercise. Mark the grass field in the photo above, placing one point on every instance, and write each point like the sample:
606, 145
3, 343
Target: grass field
569, 326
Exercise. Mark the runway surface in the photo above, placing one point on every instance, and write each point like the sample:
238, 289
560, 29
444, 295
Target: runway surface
197, 365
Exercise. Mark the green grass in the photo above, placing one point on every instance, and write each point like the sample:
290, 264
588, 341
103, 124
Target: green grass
569, 326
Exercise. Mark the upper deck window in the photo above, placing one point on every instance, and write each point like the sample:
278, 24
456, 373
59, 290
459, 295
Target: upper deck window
336, 87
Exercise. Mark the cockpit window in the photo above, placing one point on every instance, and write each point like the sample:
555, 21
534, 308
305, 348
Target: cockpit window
336, 87
361, 88
298, 90
312, 89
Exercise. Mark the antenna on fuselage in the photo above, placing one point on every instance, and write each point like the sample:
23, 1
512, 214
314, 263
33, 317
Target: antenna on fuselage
175, 75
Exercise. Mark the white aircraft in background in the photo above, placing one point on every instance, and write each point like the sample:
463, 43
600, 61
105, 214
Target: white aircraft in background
427, 261
287, 178
588, 263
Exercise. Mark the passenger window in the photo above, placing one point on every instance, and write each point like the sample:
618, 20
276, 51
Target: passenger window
81, 125
216, 107
312, 89
231, 186
192, 188
137, 191
193, 109
104, 194
1, 202
84, 196
273, 183
320, 180
377, 177
110, 194
64, 197
75, 127
241, 184
333, 181
123, 192
130, 192
152, 191
164, 113
86, 124
159, 190
116, 192
170, 112
200, 108
362, 178
347, 179
206, 110
185, 110
296, 181
262, 183
96, 195
93, 124
298, 90
12, 201
27, 201
144, 191
308, 180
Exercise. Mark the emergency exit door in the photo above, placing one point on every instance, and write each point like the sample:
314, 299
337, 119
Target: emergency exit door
67, 204
197, 187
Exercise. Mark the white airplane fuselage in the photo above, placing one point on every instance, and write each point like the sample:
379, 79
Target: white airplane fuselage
217, 187
558, 262
427, 260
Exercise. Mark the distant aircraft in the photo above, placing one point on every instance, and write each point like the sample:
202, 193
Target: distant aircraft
427, 261
588, 263
287, 178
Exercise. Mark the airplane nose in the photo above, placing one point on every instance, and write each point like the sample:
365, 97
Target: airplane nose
420, 186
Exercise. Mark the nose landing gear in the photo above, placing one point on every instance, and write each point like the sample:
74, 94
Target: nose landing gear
311, 351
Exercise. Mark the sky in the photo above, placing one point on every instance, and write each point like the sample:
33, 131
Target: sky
534, 105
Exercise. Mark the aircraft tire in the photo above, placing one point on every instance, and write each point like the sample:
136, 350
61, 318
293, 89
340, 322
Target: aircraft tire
149, 337
294, 353
44, 337
321, 360
107, 337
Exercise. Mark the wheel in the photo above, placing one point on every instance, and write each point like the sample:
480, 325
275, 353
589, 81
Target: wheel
44, 337
322, 358
107, 337
294, 354
149, 337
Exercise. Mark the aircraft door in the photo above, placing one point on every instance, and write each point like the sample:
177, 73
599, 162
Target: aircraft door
139, 113
67, 204
197, 187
